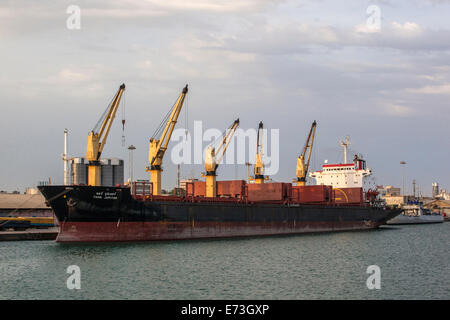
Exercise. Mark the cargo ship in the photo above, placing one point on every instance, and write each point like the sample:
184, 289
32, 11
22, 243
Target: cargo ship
239, 209
88, 214
209, 209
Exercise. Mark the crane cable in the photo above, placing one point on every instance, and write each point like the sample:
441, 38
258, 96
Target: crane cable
164, 121
314, 158
123, 121
186, 122
102, 118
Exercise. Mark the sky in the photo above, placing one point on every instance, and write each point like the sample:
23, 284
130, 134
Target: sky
286, 63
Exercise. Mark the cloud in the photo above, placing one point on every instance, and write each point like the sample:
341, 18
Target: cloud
437, 89
212, 5
70, 75
22, 18
408, 27
364, 28
286, 62
301, 38
397, 110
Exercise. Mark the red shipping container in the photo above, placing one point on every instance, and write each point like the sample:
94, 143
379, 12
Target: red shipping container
189, 188
199, 188
348, 195
274, 191
196, 188
311, 194
231, 188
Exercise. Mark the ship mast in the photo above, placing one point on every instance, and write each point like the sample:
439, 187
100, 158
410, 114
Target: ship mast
345, 143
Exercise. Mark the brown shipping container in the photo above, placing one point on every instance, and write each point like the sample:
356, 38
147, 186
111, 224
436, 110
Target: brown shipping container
190, 189
196, 188
274, 191
348, 195
199, 188
230, 188
311, 194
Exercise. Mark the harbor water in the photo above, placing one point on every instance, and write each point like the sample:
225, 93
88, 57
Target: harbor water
414, 263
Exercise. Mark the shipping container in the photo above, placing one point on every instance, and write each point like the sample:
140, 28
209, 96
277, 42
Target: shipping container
312, 194
230, 188
225, 189
274, 191
348, 195
196, 188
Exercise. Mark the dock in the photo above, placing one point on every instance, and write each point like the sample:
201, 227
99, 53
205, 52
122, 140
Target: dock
30, 234
24, 205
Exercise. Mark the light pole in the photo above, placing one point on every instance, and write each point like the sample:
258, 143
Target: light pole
130, 164
403, 177
65, 158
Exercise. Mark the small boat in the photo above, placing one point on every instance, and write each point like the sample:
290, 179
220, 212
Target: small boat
415, 213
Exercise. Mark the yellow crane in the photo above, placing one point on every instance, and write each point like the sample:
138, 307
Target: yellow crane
158, 147
259, 161
214, 156
302, 167
97, 140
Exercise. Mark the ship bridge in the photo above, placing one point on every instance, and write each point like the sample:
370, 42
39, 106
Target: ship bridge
343, 175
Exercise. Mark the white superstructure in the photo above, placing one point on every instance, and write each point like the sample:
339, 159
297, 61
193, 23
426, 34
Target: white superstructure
343, 175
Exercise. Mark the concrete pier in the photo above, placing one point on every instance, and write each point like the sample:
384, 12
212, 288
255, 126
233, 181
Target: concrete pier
29, 234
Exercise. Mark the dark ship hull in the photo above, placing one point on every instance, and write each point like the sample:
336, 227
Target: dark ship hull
103, 214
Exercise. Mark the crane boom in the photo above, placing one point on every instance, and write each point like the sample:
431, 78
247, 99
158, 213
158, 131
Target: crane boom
97, 140
158, 147
302, 167
214, 156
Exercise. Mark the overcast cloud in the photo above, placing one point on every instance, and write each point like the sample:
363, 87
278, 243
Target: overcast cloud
286, 63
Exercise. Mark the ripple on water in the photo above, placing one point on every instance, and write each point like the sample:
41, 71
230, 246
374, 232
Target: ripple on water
414, 262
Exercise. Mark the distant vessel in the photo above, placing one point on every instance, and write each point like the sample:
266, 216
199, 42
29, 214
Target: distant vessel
415, 214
